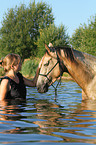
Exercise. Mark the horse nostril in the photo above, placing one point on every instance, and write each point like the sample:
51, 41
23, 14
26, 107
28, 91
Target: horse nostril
46, 85
42, 88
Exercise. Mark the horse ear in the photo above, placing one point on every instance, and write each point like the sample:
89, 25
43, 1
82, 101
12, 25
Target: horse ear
47, 48
52, 55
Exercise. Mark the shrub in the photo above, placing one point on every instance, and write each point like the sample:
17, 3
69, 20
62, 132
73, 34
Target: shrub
29, 67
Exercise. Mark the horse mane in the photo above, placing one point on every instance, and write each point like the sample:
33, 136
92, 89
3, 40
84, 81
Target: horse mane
67, 51
85, 60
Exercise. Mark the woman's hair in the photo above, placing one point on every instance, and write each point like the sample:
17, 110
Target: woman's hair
10, 60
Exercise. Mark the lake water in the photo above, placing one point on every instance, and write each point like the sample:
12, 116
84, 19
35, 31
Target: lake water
41, 120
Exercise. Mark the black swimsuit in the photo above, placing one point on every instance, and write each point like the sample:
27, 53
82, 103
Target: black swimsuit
17, 90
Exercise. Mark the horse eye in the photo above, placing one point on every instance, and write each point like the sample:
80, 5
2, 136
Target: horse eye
46, 64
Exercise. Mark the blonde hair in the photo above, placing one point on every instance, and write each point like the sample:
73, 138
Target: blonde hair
10, 60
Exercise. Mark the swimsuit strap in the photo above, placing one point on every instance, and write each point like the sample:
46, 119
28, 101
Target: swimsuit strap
5, 78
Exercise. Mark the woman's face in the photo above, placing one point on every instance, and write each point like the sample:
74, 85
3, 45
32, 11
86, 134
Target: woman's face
18, 66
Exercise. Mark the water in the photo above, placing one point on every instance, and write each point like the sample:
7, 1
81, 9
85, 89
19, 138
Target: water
41, 120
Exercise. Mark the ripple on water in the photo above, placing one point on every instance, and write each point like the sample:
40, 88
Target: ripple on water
43, 120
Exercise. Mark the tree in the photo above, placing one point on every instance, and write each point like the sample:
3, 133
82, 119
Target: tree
20, 28
56, 35
84, 38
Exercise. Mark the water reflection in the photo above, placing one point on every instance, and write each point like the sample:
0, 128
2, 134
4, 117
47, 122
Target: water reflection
10, 111
42, 119
75, 126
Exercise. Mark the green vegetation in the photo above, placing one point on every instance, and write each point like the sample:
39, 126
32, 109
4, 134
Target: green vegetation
56, 35
29, 67
1, 71
25, 30
20, 29
84, 38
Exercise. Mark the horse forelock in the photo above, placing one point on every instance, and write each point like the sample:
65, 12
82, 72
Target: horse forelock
52, 49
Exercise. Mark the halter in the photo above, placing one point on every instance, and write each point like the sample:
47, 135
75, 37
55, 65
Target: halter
58, 62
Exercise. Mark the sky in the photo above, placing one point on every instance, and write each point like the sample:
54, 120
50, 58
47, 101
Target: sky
70, 13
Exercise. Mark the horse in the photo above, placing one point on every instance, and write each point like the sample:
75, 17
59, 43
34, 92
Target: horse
79, 65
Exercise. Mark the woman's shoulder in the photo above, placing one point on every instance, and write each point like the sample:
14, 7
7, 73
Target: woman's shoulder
5, 77
4, 81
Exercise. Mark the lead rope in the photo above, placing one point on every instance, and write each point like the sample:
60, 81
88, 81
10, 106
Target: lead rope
59, 82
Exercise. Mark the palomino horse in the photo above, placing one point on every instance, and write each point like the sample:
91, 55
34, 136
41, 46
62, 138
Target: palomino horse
81, 67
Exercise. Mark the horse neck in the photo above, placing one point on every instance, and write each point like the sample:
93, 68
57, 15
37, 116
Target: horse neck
77, 69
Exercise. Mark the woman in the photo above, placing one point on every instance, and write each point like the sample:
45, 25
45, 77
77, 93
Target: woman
13, 85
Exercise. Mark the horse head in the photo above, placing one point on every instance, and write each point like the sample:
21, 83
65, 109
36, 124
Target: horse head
52, 67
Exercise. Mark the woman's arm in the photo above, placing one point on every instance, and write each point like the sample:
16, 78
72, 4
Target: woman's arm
32, 83
4, 87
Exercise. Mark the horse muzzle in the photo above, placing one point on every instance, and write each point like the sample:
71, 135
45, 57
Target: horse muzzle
42, 88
